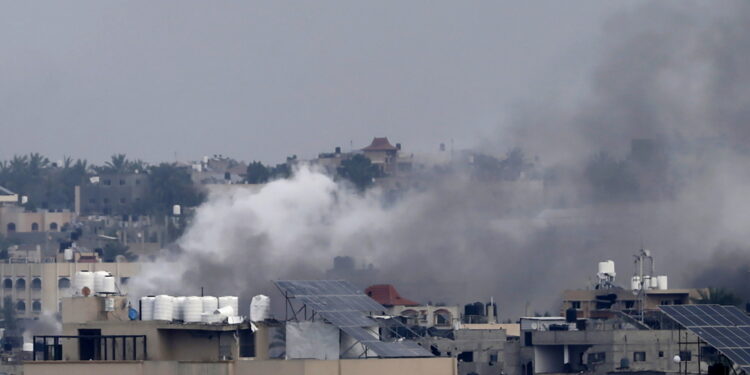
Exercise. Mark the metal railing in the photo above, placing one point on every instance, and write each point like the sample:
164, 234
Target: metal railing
92, 347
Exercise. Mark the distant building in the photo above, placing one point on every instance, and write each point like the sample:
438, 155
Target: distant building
16, 219
414, 313
112, 194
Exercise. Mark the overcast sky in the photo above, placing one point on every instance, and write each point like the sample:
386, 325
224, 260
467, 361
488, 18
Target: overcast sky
262, 80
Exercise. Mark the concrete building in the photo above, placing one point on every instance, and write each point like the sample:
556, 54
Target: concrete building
112, 194
15, 219
36, 288
99, 336
7, 196
414, 314
603, 303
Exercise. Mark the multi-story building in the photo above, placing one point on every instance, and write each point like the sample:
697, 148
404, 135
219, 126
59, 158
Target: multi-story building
35, 288
16, 219
112, 194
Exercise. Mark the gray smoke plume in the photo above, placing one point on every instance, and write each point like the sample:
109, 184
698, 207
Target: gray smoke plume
654, 154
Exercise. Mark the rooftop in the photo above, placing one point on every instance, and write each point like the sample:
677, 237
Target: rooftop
387, 295
380, 144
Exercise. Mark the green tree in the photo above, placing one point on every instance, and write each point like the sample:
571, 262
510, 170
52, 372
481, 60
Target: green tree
170, 185
718, 296
359, 170
118, 163
257, 173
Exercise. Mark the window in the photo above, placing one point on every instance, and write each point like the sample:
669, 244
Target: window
20, 284
35, 227
36, 283
36, 306
677, 302
639, 356
466, 357
11, 227
124, 280
664, 303
527, 339
21, 306
575, 304
493, 358
686, 355
53, 227
122, 182
661, 354
596, 357
8, 284
63, 283
629, 304
442, 318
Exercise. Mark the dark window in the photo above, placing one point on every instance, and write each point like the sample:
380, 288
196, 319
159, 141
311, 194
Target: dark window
53, 227
20, 284
21, 305
8, 284
493, 358
575, 304
36, 283
664, 303
527, 339
661, 354
596, 357
466, 357
122, 182
677, 302
36, 306
629, 304
639, 356
35, 227
442, 318
124, 280
247, 343
11, 227
89, 347
63, 283
686, 355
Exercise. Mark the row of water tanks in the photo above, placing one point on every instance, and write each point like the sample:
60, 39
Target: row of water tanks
187, 309
649, 282
207, 309
101, 282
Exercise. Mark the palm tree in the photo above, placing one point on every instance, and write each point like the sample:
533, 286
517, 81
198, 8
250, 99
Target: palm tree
118, 164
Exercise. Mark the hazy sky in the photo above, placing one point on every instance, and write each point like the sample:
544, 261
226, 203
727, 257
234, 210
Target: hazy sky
262, 80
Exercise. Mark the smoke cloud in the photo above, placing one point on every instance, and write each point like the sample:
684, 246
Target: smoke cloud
653, 153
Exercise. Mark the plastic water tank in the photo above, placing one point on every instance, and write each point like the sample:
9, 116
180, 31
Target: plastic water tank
260, 308
83, 279
662, 281
606, 268
654, 282
209, 304
646, 282
28, 346
163, 307
635, 283
192, 309
232, 301
99, 280
177, 307
68, 255
147, 308
107, 285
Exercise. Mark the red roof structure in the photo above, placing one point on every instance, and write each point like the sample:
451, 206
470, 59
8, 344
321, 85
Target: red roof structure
380, 144
386, 295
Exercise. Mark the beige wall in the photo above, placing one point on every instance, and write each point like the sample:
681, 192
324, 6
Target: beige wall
406, 366
25, 220
50, 274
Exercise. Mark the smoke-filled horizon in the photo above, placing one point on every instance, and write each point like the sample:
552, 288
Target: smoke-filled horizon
652, 153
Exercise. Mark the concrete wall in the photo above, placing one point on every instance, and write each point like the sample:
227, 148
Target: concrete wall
24, 221
406, 366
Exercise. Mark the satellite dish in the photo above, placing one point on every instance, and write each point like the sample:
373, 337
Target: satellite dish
132, 313
677, 359
85, 291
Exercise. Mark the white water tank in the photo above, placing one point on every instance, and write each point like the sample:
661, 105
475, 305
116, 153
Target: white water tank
163, 307
28, 346
232, 301
99, 280
607, 268
192, 309
83, 279
260, 308
147, 308
654, 282
210, 304
646, 281
635, 283
662, 281
68, 255
177, 308
107, 285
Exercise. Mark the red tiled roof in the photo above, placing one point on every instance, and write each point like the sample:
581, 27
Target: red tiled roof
386, 295
380, 144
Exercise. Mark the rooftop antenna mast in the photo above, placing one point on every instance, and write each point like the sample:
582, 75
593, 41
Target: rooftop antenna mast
644, 281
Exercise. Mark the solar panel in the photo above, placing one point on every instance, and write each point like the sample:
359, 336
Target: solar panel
726, 328
341, 304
